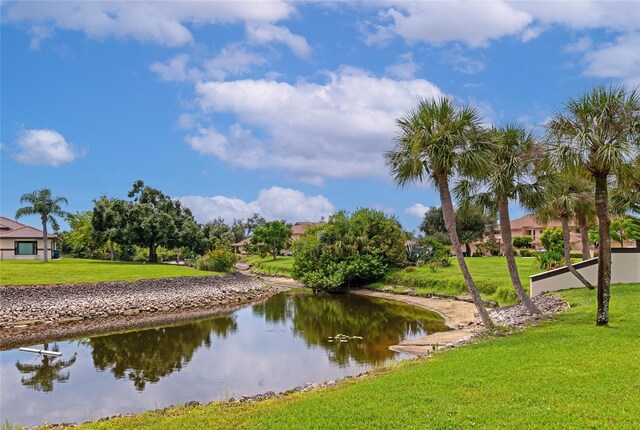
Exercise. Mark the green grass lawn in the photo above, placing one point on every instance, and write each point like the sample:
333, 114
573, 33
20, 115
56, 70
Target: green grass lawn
281, 266
75, 270
563, 374
490, 274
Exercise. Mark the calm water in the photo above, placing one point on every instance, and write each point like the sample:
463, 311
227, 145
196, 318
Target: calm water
272, 346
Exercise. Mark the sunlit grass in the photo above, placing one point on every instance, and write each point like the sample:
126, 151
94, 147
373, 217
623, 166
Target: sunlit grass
281, 266
75, 270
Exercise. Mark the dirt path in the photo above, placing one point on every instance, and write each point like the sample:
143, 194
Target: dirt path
459, 315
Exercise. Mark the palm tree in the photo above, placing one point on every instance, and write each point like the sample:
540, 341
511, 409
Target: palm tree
47, 373
599, 134
436, 141
41, 203
568, 196
512, 157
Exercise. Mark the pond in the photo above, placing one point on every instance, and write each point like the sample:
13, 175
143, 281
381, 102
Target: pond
287, 341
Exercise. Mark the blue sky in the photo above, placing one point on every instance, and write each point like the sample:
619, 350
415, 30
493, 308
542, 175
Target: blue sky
274, 107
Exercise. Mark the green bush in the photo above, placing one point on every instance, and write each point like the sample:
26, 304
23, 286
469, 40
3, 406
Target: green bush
436, 263
522, 241
219, 260
576, 255
506, 294
551, 239
526, 253
550, 260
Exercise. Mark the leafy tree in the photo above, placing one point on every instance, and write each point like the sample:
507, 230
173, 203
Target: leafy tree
626, 228
552, 240
437, 141
237, 229
217, 234
81, 240
568, 196
349, 250
471, 224
252, 223
274, 234
154, 219
597, 134
42, 203
109, 220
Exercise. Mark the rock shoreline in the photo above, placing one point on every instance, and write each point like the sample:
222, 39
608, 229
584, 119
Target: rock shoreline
37, 312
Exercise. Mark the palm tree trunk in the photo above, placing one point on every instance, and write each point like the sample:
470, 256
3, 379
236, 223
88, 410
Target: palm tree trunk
44, 237
450, 224
505, 232
567, 252
604, 256
584, 235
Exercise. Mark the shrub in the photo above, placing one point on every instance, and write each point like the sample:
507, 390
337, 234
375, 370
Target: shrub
576, 255
551, 239
522, 241
436, 263
550, 260
506, 294
219, 260
526, 253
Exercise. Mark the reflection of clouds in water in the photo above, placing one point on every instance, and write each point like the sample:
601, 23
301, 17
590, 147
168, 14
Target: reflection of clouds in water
259, 356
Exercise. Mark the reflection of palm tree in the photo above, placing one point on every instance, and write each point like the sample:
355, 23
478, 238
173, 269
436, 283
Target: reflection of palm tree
44, 375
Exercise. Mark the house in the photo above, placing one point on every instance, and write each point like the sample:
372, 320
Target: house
299, 228
529, 225
22, 242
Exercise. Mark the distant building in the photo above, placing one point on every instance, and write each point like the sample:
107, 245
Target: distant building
299, 228
529, 225
22, 242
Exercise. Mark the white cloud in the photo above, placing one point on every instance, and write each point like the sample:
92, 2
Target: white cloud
476, 23
470, 22
418, 210
583, 44
273, 203
619, 59
232, 60
337, 129
44, 147
462, 63
264, 33
176, 69
160, 22
405, 68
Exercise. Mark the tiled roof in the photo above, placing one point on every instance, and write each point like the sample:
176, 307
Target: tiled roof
530, 221
16, 230
300, 227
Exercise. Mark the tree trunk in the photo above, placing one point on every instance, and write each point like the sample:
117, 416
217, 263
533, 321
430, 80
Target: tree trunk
449, 216
44, 237
604, 255
584, 233
567, 253
505, 232
153, 256
111, 250
467, 249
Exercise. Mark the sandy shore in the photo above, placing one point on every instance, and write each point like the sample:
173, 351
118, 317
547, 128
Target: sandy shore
459, 315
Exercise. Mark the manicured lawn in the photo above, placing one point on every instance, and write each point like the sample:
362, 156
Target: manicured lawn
490, 274
75, 270
562, 374
281, 266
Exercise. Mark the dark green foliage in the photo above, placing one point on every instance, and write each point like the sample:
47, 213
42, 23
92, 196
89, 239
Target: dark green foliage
471, 225
528, 253
349, 250
626, 228
550, 259
522, 241
218, 234
274, 235
154, 219
219, 260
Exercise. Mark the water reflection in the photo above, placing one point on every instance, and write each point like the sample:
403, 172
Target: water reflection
148, 355
47, 372
317, 319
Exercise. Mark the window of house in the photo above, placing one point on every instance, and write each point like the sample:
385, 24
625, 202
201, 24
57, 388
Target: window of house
26, 248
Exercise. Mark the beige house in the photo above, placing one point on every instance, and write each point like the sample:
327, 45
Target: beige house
528, 225
298, 229
22, 242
